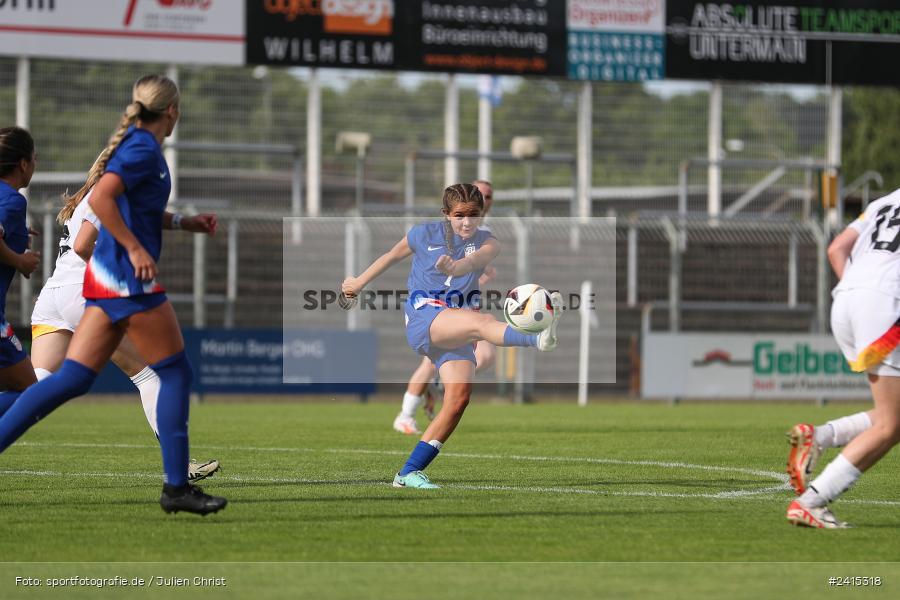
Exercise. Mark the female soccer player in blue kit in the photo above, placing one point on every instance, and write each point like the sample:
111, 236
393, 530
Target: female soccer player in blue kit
442, 318
17, 164
417, 391
123, 295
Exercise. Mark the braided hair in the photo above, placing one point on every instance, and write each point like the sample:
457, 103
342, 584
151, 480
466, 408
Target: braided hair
150, 97
458, 193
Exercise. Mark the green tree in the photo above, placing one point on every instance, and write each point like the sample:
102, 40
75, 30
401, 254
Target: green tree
872, 134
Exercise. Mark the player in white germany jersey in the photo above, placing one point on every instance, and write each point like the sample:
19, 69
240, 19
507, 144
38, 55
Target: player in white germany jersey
865, 321
59, 308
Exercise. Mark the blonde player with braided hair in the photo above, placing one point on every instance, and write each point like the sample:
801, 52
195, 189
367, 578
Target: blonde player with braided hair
60, 305
448, 257
131, 186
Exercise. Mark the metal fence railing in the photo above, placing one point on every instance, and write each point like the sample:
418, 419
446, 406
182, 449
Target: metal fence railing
236, 279
639, 133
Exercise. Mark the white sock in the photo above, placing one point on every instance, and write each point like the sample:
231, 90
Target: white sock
411, 404
839, 432
436, 444
837, 478
42, 374
147, 383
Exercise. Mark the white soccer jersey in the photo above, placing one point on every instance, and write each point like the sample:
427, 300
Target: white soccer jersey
69, 269
875, 258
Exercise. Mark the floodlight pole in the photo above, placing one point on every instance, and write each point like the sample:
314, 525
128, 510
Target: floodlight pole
360, 179
529, 176
584, 158
485, 114
313, 144
451, 131
713, 151
409, 193
835, 116
584, 342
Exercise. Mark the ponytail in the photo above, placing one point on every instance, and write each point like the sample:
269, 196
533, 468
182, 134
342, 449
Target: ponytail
129, 117
150, 97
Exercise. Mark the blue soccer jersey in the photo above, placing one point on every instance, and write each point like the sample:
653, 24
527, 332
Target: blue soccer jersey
15, 234
427, 241
140, 163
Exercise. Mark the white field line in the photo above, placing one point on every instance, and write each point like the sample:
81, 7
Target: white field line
491, 488
782, 478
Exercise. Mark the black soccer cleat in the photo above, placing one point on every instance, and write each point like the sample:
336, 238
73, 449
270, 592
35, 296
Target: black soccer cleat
190, 499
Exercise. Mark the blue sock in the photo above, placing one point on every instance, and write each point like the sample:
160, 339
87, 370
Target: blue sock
6, 401
73, 379
511, 337
172, 415
421, 457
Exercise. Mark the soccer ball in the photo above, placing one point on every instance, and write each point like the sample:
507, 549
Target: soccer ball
527, 308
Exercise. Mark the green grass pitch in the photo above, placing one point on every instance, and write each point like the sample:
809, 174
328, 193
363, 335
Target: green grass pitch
628, 500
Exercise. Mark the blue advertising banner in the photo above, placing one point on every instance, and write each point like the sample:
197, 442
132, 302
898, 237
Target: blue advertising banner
271, 361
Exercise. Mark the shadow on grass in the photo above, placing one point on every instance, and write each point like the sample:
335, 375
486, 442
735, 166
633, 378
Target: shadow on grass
449, 516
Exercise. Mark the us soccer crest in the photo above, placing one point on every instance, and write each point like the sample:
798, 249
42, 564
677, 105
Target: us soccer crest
470, 249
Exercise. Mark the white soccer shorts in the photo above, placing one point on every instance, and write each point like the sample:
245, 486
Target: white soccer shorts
57, 308
866, 325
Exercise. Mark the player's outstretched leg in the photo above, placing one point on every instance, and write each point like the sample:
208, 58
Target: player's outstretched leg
454, 328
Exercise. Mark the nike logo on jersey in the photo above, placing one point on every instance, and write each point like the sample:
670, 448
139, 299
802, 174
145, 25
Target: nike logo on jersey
433, 248
162, 175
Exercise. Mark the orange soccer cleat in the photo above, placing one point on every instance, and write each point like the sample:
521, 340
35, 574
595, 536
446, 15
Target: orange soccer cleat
818, 518
803, 456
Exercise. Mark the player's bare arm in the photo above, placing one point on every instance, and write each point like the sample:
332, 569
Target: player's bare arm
353, 285
840, 248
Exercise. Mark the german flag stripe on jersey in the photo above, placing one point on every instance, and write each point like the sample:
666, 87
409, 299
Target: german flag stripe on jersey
877, 350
